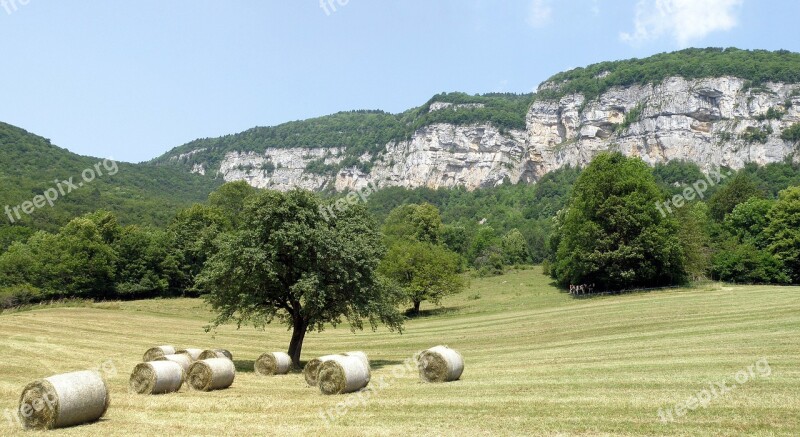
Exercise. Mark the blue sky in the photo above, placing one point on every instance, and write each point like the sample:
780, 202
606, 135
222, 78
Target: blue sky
132, 79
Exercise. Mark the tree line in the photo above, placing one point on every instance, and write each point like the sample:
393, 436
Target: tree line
255, 256
260, 256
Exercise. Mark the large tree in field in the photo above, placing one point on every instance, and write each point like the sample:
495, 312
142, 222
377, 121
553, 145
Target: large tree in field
611, 233
784, 231
287, 262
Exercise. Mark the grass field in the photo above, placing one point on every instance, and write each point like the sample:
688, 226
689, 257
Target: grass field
537, 363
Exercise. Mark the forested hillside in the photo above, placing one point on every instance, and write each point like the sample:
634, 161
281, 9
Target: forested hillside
361, 131
137, 194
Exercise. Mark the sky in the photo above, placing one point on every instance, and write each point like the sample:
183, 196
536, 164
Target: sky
130, 80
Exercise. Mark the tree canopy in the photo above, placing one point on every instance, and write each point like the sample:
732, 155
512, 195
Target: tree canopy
611, 233
289, 263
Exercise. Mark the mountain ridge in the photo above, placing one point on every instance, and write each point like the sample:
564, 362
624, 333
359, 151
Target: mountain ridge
476, 141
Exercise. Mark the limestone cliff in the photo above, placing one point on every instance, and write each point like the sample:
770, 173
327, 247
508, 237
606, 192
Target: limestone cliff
713, 122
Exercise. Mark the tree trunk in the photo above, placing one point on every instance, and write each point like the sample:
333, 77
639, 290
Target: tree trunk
416, 306
296, 345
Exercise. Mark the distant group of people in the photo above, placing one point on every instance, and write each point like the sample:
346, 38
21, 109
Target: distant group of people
581, 289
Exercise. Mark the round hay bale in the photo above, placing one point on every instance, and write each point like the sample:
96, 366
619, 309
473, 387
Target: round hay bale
440, 364
64, 400
194, 354
343, 374
156, 377
273, 363
211, 374
311, 370
157, 352
183, 359
215, 353
364, 358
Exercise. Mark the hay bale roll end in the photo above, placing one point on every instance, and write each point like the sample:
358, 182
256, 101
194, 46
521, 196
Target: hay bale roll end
157, 377
440, 364
311, 370
273, 363
64, 400
157, 352
211, 374
343, 374
215, 353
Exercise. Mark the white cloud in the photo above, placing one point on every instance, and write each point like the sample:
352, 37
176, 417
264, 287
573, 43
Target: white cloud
683, 20
540, 13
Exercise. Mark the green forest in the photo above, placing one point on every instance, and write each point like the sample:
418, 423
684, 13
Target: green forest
136, 194
755, 66
743, 229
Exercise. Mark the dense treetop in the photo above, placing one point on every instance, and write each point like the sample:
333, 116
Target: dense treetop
757, 66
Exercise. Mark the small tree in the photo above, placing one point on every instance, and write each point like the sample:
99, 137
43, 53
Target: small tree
485, 241
515, 248
695, 240
287, 262
425, 271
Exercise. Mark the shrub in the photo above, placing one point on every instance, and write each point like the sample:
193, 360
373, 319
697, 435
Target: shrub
760, 135
772, 114
18, 295
745, 264
634, 115
791, 133
490, 262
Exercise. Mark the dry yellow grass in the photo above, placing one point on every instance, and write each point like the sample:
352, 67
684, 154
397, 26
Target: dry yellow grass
537, 363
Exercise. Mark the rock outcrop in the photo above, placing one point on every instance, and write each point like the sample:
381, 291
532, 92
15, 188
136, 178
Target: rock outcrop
713, 122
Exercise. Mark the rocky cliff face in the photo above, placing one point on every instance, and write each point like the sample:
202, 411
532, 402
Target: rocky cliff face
712, 122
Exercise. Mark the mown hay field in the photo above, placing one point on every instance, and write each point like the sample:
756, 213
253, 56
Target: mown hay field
538, 362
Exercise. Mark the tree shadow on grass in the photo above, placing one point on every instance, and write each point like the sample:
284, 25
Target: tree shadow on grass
380, 364
440, 311
245, 366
